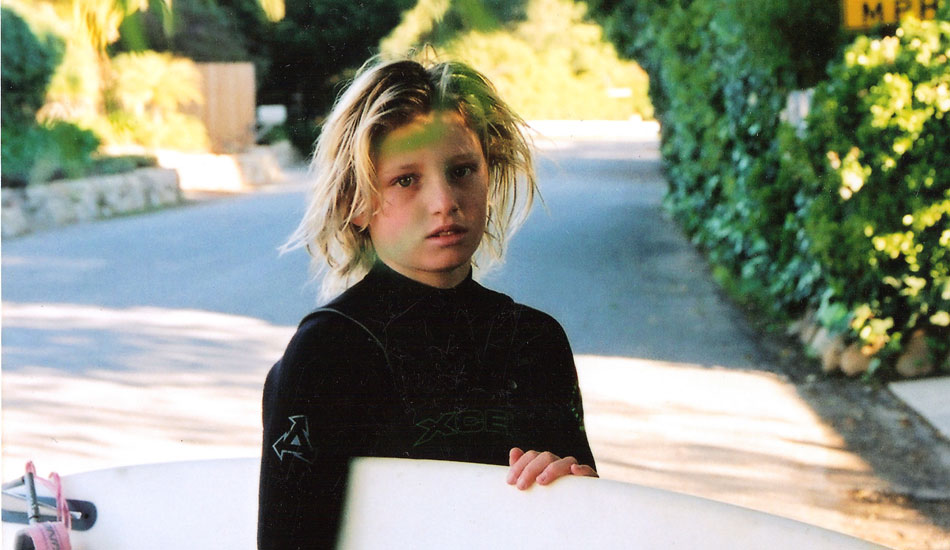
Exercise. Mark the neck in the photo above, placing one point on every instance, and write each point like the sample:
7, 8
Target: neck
436, 279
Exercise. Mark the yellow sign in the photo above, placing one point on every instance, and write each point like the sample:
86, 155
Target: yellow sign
863, 14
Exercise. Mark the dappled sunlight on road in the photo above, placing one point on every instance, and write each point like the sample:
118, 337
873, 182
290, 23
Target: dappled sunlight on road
742, 437
131, 385
87, 387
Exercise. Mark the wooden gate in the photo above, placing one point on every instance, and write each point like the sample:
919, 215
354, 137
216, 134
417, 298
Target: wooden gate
228, 111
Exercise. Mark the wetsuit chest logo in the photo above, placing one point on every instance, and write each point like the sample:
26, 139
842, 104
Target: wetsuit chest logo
468, 421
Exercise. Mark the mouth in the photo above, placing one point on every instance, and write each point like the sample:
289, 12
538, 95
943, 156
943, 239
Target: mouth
447, 231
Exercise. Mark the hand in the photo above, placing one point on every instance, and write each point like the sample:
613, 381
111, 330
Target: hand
528, 467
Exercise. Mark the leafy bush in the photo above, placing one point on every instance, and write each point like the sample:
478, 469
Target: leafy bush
547, 60
74, 91
117, 164
274, 134
303, 134
718, 89
45, 152
199, 30
315, 42
879, 138
33, 152
854, 217
145, 96
28, 63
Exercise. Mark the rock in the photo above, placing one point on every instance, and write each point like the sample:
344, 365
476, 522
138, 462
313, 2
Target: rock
285, 153
805, 327
13, 219
854, 361
65, 202
820, 340
807, 332
831, 354
916, 360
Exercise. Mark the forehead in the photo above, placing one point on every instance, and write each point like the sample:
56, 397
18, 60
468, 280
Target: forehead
436, 129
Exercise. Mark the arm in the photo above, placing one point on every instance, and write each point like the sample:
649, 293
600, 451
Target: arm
321, 407
561, 426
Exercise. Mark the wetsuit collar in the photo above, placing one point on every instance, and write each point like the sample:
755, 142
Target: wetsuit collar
390, 280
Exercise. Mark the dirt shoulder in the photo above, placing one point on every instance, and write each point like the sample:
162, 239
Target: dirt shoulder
907, 453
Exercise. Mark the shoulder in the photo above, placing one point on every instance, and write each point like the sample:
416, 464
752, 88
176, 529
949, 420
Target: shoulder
329, 351
524, 318
329, 330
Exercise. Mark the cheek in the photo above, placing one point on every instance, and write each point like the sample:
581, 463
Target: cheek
391, 227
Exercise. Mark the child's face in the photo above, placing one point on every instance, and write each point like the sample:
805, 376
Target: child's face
432, 180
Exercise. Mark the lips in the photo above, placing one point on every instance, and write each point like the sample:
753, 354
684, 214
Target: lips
447, 231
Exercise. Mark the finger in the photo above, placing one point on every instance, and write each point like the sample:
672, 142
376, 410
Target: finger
556, 469
534, 468
583, 470
513, 455
516, 469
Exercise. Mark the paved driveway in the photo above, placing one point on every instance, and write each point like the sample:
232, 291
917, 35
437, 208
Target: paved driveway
147, 338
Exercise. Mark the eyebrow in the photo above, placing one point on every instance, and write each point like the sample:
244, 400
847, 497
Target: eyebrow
465, 157
408, 167
412, 166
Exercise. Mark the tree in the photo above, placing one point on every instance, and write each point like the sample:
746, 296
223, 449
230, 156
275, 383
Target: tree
315, 42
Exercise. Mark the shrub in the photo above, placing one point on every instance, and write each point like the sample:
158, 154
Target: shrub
118, 164
303, 134
33, 152
145, 95
40, 153
28, 63
317, 41
852, 218
879, 137
199, 30
546, 58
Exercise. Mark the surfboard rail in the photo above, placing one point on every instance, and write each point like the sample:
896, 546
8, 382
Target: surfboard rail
400, 503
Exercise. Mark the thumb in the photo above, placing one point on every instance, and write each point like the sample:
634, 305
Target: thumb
583, 470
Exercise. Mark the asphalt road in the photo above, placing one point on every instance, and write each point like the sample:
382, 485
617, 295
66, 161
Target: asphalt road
146, 339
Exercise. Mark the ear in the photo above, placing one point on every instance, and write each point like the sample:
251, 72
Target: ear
361, 220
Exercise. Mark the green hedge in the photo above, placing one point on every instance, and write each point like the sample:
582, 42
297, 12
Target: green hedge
851, 216
879, 216
546, 57
32, 151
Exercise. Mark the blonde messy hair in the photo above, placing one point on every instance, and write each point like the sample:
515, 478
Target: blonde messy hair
383, 96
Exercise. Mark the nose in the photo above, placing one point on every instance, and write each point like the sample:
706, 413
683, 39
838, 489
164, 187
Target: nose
442, 196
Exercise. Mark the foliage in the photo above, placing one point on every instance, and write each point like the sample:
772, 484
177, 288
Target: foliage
718, 92
96, 22
850, 216
145, 96
274, 134
31, 151
303, 134
117, 164
28, 63
439, 21
545, 57
198, 29
44, 152
879, 137
315, 42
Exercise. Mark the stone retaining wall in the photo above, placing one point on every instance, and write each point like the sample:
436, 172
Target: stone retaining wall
70, 201
58, 203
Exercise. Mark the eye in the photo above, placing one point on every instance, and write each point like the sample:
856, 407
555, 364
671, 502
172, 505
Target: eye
463, 171
404, 181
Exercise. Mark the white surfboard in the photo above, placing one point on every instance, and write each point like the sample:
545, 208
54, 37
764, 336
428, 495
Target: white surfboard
419, 504
205, 504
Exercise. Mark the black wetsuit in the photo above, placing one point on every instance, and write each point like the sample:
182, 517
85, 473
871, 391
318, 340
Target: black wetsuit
395, 368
